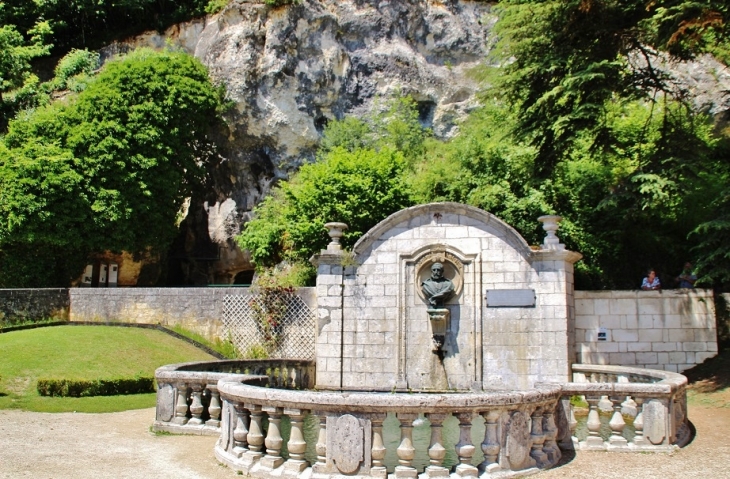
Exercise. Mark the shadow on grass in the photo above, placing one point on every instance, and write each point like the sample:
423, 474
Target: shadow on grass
712, 375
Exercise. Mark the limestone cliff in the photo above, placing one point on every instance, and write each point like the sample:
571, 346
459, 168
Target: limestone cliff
291, 69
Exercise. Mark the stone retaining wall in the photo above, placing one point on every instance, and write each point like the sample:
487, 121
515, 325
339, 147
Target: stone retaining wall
670, 329
197, 309
21, 305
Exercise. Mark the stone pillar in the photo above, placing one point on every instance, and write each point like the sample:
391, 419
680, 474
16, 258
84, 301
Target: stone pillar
329, 309
378, 450
320, 468
464, 448
554, 264
405, 450
436, 450
296, 445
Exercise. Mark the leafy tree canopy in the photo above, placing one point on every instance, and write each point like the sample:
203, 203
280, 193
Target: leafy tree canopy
92, 23
564, 62
106, 170
17, 82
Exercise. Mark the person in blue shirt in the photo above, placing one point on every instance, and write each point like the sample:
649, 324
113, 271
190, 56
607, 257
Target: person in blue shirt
651, 282
687, 278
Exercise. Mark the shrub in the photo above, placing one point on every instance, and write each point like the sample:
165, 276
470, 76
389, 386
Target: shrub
99, 387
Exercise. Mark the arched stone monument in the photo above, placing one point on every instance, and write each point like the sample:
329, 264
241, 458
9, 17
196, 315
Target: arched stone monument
507, 323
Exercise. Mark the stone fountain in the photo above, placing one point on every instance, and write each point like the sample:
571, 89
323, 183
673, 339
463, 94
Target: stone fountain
502, 323
440, 312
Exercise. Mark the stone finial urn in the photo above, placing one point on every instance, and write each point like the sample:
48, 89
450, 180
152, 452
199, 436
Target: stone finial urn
335, 230
550, 225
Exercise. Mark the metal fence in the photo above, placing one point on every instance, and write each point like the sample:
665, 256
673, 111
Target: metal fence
280, 324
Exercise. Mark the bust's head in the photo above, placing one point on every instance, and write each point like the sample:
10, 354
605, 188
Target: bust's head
437, 271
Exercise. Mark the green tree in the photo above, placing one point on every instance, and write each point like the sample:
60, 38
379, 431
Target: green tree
565, 62
18, 84
108, 170
359, 188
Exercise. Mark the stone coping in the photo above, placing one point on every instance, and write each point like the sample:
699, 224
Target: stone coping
509, 233
638, 293
627, 370
668, 383
205, 371
234, 391
215, 366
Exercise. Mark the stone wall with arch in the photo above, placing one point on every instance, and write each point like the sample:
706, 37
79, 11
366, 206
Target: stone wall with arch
374, 331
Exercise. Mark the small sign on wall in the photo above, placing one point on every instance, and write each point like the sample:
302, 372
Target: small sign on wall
602, 334
511, 298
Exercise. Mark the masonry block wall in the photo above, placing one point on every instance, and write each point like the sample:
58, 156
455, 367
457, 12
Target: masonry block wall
670, 329
19, 305
374, 329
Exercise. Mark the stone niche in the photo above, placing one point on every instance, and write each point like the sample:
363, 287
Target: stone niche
509, 322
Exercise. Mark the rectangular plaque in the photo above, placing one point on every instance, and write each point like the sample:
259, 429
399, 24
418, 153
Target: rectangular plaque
510, 298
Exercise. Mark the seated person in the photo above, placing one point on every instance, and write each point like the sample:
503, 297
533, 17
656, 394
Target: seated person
651, 282
686, 279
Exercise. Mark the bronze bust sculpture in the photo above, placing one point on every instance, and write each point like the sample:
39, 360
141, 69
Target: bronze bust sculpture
437, 289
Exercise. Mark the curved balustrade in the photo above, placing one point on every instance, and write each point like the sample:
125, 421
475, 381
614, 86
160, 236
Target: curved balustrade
655, 401
188, 401
520, 431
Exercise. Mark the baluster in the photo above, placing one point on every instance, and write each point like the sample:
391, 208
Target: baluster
464, 448
628, 407
296, 445
240, 433
196, 408
255, 437
214, 409
321, 466
181, 405
273, 441
538, 438
617, 424
405, 450
639, 439
490, 446
593, 441
572, 425
551, 433
436, 449
378, 449
285, 376
298, 377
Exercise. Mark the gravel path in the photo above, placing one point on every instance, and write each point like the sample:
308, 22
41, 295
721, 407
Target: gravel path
120, 445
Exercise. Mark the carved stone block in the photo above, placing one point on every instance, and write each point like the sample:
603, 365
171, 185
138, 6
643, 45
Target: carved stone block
165, 403
348, 444
655, 420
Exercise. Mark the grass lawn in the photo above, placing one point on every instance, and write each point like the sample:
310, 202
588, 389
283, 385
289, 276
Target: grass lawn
84, 352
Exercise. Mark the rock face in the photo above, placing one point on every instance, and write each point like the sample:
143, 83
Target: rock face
291, 69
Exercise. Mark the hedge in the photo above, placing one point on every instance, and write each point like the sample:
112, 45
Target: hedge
99, 387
